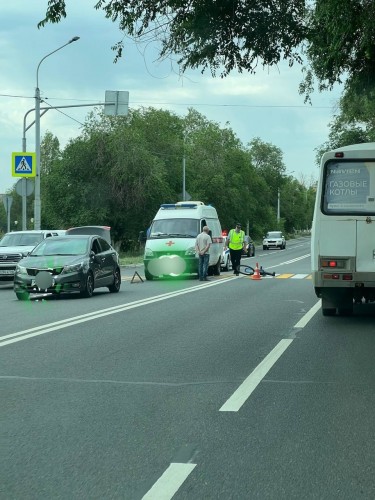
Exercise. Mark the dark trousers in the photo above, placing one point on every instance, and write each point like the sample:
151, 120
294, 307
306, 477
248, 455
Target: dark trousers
203, 266
235, 257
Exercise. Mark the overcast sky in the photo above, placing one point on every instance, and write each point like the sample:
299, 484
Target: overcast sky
266, 105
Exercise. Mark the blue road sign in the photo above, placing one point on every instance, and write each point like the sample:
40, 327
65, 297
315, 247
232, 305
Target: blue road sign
23, 164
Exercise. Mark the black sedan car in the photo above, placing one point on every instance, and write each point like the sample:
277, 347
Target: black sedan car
68, 264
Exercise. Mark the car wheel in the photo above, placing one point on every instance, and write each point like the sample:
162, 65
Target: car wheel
88, 289
253, 254
23, 295
264, 247
216, 269
115, 287
227, 264
148, 276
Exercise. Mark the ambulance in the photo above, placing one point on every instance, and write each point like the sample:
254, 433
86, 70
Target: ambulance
170, 244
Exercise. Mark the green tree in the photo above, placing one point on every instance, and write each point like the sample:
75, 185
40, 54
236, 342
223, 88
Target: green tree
340, 46
336, 36
268, 161
120, 169
353, 124
215, 34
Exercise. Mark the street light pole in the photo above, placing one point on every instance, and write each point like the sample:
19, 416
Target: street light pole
278, 206
37, 202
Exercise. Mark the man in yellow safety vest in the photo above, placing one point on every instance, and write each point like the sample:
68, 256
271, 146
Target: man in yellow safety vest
236, 242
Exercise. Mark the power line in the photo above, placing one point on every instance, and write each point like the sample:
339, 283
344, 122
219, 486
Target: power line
141, 103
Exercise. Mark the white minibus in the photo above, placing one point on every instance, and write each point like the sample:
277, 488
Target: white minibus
343, 229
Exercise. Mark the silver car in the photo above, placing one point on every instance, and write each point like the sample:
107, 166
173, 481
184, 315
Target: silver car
15, 246
274, 239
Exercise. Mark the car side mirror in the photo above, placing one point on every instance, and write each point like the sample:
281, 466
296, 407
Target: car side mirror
142, 237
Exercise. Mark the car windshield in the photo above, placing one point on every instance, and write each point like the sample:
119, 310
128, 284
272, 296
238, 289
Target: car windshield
61, 246
274, 234
183, 228
21, 239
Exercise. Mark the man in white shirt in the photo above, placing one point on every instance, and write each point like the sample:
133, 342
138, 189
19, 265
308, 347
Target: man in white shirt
202, 248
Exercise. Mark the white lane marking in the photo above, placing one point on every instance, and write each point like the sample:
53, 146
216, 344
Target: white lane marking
299, 276
169, 482
306, 318
239, 397
40, 330
290, 261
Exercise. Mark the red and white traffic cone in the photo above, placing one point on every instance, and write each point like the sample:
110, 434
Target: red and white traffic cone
256, 275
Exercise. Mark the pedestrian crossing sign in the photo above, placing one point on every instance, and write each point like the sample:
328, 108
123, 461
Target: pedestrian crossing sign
23, 164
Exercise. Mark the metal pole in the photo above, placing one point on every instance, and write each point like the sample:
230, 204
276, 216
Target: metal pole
24, 190
37, 201
183, 179
37, 204
278, 205
8, 214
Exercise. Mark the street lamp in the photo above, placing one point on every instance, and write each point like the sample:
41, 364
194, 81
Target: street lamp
37, 204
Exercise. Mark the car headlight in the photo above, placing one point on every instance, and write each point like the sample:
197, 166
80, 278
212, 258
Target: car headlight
21, 269
148, 252
190, 251
74, 268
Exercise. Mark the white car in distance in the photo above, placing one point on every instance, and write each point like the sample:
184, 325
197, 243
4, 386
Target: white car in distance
274, 239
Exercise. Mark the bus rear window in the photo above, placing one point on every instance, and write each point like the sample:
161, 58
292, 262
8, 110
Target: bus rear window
349, 187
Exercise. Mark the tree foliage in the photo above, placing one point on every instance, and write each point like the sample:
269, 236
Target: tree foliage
217, 34
121, 169
341, 45
336, 36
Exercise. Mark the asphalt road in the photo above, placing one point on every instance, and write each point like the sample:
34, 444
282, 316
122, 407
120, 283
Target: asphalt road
231, 389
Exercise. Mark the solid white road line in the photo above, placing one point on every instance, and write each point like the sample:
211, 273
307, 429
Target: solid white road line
58, 325
171, 480
239, 397
306, 318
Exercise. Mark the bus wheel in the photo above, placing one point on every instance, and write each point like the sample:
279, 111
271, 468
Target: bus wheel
329, 303
346, 307
328, 311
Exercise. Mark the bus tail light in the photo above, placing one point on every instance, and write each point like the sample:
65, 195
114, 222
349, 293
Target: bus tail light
333, 263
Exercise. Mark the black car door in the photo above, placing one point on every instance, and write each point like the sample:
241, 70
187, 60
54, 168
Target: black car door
109, 261
97, 262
